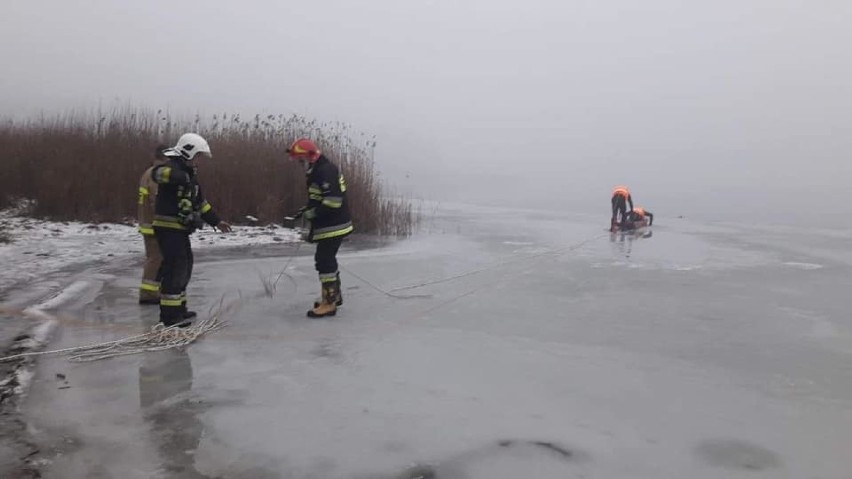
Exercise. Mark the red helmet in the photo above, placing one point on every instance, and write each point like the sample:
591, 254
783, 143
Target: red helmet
304, 149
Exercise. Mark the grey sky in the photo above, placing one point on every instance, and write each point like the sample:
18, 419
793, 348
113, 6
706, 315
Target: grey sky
487, 100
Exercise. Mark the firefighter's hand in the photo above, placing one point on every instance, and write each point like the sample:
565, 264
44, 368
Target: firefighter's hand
299, 213
224, 227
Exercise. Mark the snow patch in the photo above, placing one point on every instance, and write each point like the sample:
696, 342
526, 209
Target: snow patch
23, 376
42, 247
74, 290
685, 268
39, 336
805, 266
41, 333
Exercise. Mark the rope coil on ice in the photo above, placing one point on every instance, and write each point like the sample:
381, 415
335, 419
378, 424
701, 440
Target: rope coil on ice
158, 338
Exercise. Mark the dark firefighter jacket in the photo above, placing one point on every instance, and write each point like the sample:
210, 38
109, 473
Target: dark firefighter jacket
180, 205
327, 208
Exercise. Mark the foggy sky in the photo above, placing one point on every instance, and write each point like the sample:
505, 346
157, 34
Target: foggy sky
728, 104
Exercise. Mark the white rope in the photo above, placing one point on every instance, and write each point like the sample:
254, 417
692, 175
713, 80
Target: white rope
485, 269
159, 338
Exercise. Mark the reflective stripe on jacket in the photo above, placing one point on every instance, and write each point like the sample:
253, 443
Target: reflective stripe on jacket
328, 208
147, 197
180, 203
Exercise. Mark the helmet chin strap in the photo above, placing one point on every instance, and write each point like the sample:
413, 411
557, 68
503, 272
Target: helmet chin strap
190, 163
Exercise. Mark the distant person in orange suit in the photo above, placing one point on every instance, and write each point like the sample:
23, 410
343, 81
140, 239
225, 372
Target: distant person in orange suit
620, 198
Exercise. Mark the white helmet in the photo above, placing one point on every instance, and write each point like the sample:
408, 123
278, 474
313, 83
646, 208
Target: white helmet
191, 144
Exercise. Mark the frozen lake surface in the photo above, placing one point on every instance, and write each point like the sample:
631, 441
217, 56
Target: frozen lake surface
542, 347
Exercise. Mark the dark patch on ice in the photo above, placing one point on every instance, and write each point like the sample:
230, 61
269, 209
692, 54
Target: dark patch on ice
565, 453
736, 454
555, 448
413, 296
14, 437
460, 465
329, 350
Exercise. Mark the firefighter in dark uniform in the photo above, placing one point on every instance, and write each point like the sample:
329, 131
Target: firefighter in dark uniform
328, 212
179, 210
620, 197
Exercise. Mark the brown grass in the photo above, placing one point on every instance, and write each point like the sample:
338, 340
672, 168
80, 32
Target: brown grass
87, 167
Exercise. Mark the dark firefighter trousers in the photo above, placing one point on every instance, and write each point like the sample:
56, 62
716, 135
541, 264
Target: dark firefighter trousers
325, 259
619, 209
176, 270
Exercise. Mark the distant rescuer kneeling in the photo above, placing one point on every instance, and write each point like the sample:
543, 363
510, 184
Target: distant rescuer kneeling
179, 210
328, 212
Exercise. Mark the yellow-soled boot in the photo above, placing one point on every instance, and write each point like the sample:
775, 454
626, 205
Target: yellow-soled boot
326, 306
338, 299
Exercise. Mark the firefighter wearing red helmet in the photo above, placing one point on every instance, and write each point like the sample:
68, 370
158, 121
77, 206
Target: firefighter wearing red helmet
327, 211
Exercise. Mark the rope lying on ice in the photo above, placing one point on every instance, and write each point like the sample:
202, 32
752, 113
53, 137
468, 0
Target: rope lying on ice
159, 338
383, 291
287, 265
551, 252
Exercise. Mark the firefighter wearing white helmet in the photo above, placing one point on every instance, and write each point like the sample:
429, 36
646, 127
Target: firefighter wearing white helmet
179, 210
191, 144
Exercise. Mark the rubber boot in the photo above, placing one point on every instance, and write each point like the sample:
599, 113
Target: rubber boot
187, 314
339, 299
322, 290
173, 314
327, 306
179, 322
